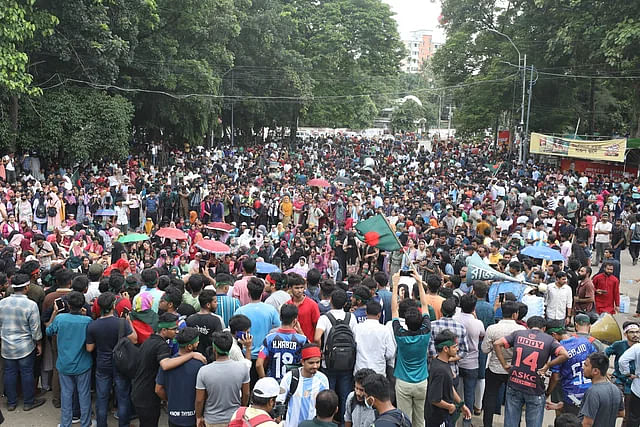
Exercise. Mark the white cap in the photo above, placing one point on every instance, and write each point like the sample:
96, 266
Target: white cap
267, 388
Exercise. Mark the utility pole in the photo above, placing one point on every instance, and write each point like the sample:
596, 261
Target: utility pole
232, 102
449, 123
524, 77
526, 132
440, 112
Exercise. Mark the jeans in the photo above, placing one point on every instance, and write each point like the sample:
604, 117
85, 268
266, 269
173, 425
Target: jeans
24, 367
534, 411
342, 384
469, 379
600, 252
634, 250
491, 395
68, 385
104, 381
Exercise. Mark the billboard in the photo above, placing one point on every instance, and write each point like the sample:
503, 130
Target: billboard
611, 150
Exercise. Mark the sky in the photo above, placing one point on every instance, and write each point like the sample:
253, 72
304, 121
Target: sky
417, 15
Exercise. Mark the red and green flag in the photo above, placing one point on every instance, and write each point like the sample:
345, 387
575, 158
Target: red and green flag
376, 232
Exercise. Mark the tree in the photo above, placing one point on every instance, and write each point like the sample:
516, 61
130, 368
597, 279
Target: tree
406, 116
355, 51
73, 125
20, 22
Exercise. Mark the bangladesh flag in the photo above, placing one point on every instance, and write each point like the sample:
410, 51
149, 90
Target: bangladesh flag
376, 232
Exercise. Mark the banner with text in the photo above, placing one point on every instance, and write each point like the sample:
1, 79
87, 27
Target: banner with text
611, 150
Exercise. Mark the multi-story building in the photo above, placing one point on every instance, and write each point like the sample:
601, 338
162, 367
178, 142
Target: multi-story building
420, 46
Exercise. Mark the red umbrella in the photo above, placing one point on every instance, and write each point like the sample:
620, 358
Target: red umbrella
213, 247
172, 233
318, 182
220, 226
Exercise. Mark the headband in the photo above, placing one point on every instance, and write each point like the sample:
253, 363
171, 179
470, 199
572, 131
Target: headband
193, 341
631, 327
270, 280
447, 343
167, 325
219, 351
309, 352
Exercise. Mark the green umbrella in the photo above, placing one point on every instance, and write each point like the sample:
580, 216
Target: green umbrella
133, 237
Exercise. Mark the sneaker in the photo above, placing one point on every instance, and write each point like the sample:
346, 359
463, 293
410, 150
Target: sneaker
35, 404
115, 414
75, 420
56, 403
11, 408
635, 261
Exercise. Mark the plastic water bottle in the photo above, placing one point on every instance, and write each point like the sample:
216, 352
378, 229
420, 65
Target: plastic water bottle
625, 303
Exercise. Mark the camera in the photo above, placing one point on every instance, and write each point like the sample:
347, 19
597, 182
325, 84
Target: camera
279, 411
406, 273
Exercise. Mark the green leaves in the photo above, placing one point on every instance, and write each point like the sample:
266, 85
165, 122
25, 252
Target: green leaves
19, 23
76, 125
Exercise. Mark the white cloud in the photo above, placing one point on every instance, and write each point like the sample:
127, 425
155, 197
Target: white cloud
413, 15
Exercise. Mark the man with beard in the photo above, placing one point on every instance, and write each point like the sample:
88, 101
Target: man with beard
631, 332
607, 289
584, 301
299, 387
356, 413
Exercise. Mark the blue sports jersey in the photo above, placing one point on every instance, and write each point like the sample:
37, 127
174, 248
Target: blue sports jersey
361, 314
574, 384
281, 348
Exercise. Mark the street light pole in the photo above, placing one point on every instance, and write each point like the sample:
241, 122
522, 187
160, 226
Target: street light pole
524, 76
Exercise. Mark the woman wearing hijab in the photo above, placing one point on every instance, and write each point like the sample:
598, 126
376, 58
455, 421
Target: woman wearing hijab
54, 207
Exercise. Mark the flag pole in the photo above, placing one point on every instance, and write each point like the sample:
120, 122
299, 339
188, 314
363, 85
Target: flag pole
404, 251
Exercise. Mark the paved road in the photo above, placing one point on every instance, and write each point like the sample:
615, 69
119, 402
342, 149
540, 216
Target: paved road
47, 415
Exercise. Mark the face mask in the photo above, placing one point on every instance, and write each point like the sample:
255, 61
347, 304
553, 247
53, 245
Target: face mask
367, 404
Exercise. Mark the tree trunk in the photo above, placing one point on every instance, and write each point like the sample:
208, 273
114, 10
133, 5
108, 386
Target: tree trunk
13, 114
592, 107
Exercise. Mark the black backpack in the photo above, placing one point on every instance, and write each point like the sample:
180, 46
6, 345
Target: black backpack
125, 354
340, 345
41, 210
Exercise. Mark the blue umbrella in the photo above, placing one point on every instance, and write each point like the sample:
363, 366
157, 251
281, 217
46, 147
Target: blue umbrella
542, 252
498, 288
105, 212
266, 268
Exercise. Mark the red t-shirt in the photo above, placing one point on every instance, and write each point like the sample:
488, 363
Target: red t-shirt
308, 315
120, 304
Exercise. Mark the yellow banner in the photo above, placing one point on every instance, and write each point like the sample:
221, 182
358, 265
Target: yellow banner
611, 150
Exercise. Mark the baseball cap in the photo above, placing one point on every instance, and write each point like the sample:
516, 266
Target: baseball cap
582, 319
267, 388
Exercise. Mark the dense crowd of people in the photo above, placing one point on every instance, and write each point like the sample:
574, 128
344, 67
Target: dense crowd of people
299, 322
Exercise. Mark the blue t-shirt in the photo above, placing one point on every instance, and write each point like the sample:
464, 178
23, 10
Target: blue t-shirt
71, 329
361, 314
180, 385
264, 317
411, 361
281, 348
385, 296
574, 383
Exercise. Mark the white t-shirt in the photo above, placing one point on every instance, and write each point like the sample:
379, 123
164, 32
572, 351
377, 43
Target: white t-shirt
603, 238
324, 323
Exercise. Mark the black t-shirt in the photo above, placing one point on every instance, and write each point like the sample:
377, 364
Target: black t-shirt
531, 350
103, 333
152, 351
207, 324
440, 387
